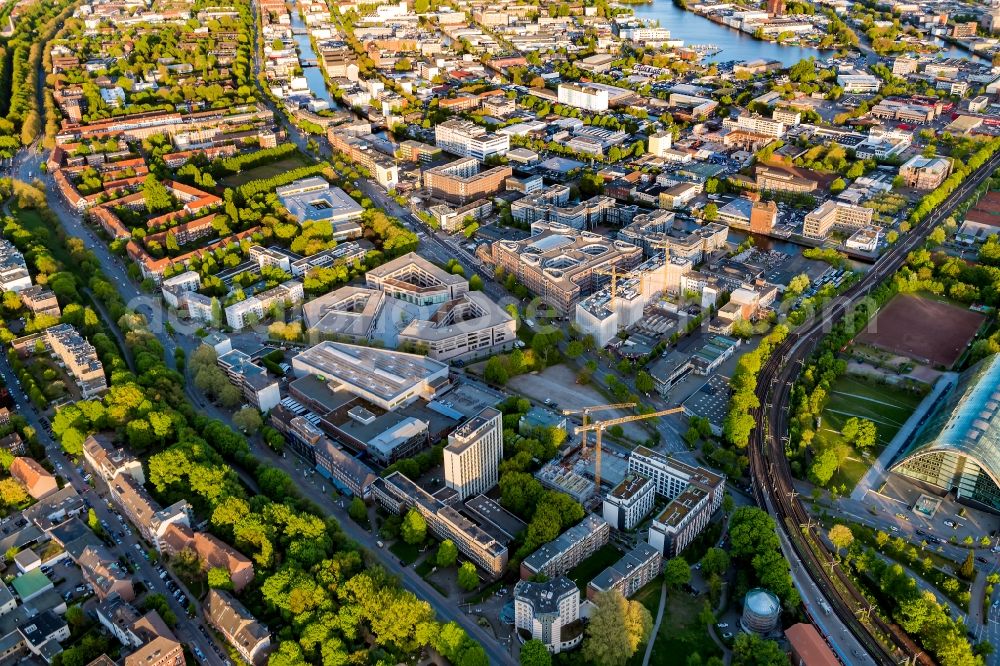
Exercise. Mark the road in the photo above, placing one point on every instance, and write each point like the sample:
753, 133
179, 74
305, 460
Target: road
187, 629
771, 475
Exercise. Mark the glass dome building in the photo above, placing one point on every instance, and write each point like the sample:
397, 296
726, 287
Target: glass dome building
958, 449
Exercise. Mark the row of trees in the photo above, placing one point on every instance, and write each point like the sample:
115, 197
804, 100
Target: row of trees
311, 582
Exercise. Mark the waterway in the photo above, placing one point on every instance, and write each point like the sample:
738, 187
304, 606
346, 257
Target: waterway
736, 45
313, 75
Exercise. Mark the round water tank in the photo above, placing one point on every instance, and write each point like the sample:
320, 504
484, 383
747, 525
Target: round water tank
761, 610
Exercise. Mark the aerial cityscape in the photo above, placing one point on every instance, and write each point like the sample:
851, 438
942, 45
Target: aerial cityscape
572, 332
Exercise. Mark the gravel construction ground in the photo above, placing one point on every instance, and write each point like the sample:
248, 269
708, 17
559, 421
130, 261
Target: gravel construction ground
925, 330
558, 383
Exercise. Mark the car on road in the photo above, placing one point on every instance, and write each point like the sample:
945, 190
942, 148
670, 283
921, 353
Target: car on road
950, 523
983, 560
894, 528
723, 625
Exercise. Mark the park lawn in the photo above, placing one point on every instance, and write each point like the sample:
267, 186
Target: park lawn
885, 406
584, 572
407, 553
293, 161
680, 634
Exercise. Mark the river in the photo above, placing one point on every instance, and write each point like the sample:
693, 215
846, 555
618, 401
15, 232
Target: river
696, 29
313, 75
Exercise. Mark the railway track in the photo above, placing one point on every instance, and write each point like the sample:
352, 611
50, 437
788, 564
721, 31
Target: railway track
885, 642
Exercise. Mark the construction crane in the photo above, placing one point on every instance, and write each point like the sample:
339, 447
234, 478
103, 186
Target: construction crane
587, 411
600, 426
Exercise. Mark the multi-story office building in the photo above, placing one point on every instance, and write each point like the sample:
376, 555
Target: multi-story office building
660, 232
629, 574
474, 534
467, 139
925, 173
582, 96
568, 549
387, 379
768, 179
413, 279
562, 264
606, 312
859, 83
694, 493
629, 502
549, 612
463, 181
552, 205
472, 457
835, 214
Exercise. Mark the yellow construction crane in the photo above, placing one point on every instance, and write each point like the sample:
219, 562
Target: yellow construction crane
587, 411
599, 427
613, 272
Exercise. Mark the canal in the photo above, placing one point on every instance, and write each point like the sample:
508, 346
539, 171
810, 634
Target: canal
313, 75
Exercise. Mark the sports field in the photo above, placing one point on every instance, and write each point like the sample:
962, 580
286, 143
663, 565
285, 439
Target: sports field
926, 330
885, 406
265, 171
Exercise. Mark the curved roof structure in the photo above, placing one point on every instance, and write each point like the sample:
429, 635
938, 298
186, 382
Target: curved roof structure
967, 421
966, 426
762, 602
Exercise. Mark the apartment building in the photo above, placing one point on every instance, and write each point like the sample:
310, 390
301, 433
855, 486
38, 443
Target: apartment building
144, 512
211, 551
694, 493
552, 205
14, 275
562, 264
835, 214
475, 536
660, 142
107, 461
462, 181
40, 300
567, 550
582, 96
238, 626
361, 151
628, 503
146, 638
79, 357
756, 124
472, 456
467, 139
630, 574
783, 181
260, 389
925, 173
37, 480
254, 309
549, 612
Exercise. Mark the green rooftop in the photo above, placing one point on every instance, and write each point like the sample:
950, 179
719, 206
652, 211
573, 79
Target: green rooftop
29, 584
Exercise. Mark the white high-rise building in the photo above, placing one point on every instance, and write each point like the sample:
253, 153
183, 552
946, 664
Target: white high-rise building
472, 457
549, 612
583, 96
467, 139
660, 143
